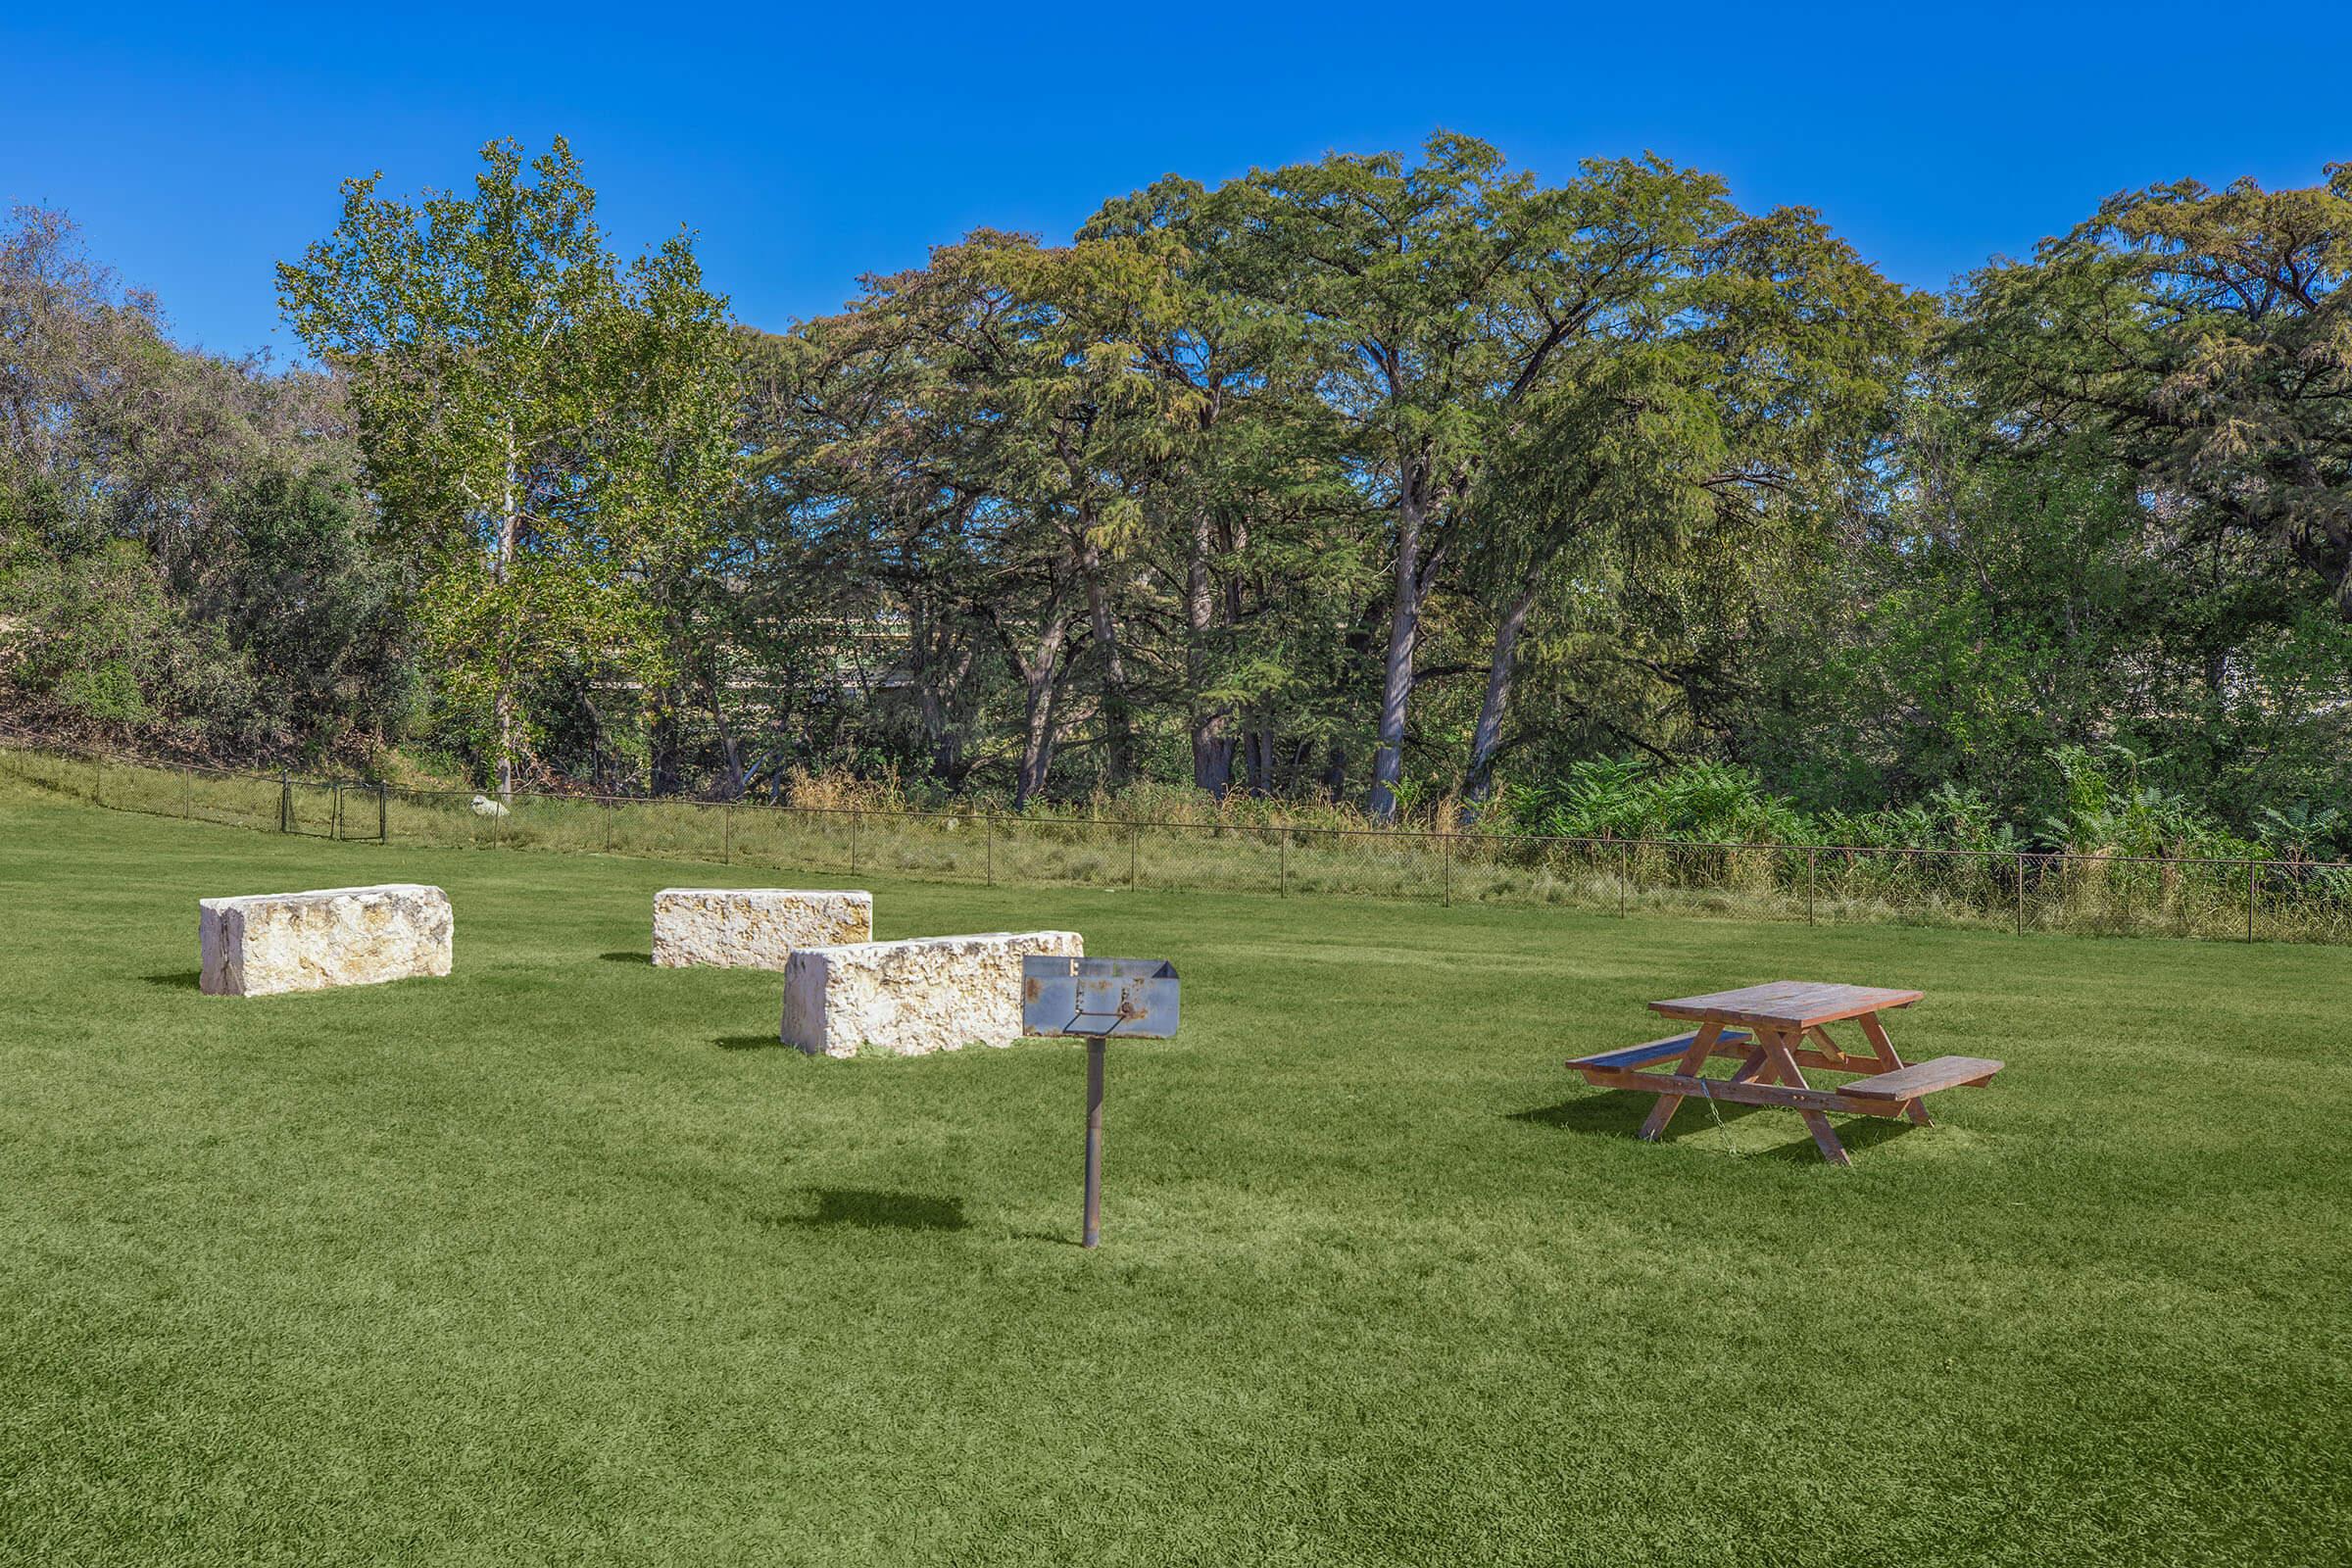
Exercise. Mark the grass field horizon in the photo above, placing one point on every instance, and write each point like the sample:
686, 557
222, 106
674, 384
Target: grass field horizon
565, 1260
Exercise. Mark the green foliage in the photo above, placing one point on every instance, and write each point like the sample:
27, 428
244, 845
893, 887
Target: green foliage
545, 429
314, 599
2101, 807
2206, 338
1400, 486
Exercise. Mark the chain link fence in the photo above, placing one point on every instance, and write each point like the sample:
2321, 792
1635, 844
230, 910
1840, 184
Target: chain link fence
2104, 895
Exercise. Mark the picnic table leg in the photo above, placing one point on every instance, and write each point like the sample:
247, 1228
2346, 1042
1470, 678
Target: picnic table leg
1779, 1047
1876, 1033
1702, 1046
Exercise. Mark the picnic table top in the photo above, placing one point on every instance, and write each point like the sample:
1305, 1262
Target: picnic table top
1792, 1003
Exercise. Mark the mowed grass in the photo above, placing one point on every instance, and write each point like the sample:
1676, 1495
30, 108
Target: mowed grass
562, 1260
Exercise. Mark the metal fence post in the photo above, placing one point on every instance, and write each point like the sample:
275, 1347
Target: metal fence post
97, 779
2250, 868
1811, 858
1445, 854
285, 800
855, 817
1625, 876
1285, 857
990, 851
2021, 893
1135, 839
726, 833
188, 791
383, 815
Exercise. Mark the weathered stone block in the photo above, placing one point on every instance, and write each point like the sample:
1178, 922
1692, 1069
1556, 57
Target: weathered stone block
754, 928
269, 942
907, 998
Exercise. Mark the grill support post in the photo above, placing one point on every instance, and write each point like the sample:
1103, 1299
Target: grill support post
1097, 1049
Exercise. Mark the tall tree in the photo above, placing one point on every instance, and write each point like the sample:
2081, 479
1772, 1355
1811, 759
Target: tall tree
1732, 414
1445, 291
537, 421
2207, 335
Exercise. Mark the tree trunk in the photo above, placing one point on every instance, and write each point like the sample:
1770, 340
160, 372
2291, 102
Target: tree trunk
510, 527
1488, 736
1404, 630
947, 740
730, 749
1118, 726
1041, 688
664, 742
505, 729
1257, 757
941, 665
1212, 752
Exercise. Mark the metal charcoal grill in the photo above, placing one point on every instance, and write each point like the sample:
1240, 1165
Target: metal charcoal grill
1099, 999
1128, 998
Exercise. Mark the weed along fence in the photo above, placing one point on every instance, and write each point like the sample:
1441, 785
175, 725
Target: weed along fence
2113, 895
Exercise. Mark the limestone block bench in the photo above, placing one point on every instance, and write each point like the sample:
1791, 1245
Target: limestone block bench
908, 998
754, 928
270, 942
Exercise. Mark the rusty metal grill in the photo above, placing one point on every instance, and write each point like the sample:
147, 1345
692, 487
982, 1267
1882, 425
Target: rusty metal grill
1125, 998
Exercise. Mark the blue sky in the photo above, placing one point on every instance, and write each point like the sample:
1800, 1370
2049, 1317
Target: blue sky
199, 146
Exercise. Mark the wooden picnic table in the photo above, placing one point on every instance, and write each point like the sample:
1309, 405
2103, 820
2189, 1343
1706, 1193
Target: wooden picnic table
1777, 1030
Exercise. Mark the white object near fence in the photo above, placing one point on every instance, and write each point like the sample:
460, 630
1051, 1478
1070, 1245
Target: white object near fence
270, 942
909, 998
754, 928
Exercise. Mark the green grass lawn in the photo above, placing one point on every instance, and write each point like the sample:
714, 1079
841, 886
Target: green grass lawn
562, 1259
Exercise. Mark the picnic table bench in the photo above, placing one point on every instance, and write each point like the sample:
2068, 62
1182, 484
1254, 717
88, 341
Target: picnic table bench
1775, 1031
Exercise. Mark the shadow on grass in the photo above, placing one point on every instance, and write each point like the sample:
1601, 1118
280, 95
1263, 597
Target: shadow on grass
177, 980
1857, 1134
766, 1042
1620, 1112
862, 1208
643, 959
1056, 1238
